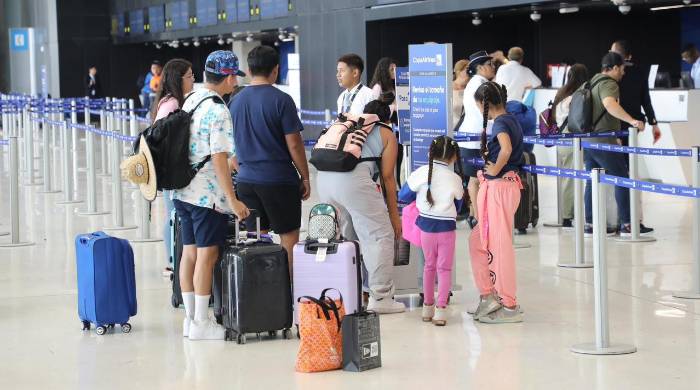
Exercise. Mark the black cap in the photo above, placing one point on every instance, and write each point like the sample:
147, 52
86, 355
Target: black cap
476, 59
612, 59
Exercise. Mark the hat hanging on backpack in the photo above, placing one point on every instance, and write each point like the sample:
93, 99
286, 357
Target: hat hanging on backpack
140, 169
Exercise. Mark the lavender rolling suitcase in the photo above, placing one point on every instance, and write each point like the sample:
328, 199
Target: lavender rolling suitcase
340, 269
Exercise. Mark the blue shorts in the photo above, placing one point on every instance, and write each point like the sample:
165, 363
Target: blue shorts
203, 227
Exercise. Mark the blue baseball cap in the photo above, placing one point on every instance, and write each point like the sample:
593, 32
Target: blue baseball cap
223, 62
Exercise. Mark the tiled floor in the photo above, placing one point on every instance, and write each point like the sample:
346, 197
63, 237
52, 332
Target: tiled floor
42, 345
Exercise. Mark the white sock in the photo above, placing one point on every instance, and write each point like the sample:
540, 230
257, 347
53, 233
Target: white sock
201, 307
188, 301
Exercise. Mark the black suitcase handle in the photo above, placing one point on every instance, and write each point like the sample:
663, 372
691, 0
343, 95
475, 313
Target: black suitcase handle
237, 228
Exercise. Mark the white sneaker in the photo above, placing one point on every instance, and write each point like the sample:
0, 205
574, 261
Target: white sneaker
206, 330
186, 327
428, 313
385, 306
440, 317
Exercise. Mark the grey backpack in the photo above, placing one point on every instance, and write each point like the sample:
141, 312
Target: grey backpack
580, 118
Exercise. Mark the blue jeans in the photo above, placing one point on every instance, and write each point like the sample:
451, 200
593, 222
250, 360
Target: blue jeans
167, 236
614, 164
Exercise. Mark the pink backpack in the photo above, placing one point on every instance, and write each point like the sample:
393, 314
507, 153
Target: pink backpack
339, 148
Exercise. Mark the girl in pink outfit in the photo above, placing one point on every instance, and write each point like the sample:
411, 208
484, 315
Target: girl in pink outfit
491, 242
436, 189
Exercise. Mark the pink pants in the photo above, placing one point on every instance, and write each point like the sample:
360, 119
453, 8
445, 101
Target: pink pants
438, 250
491, 242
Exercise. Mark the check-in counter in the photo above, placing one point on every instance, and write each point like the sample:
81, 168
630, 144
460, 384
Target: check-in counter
678, 114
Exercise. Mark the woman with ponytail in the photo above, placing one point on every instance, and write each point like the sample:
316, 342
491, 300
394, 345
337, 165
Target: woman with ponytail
438, 192
491, 243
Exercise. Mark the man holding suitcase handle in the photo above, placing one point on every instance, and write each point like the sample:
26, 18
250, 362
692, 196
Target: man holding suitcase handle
202, 205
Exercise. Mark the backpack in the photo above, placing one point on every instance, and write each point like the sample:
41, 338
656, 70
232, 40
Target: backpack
324, 223
339, 147
526, 116
169, 141
548, 124
580, 118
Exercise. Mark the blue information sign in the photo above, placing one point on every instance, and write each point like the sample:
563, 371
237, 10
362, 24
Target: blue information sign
430, 72
19, 39
403, 105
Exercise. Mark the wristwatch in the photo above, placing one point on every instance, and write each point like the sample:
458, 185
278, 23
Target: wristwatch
653, 121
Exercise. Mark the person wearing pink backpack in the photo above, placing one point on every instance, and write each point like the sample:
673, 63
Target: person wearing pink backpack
438, 193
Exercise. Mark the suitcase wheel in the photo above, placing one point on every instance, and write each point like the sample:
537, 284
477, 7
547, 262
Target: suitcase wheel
287, 334
241, 339
298, 333
86, 325
272, 333
101, 330
126, 327
173, 301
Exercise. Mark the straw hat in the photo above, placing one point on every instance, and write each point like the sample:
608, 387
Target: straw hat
139, 169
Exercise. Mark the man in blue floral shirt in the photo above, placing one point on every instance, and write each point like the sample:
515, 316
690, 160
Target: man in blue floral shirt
202, 205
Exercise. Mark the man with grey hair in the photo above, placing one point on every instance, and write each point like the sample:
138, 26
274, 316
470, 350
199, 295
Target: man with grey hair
516, 77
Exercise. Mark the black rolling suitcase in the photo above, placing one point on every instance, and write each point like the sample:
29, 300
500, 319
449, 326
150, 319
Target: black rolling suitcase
256, 292
529, 210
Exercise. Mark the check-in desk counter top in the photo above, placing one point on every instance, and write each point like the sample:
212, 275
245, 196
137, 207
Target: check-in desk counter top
678, 114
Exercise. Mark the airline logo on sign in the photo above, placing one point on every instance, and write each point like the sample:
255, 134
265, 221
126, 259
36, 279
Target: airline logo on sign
19, 39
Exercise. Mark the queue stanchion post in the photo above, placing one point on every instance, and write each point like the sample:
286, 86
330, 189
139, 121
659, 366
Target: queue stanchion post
67, 164
117, 191
47, 153
30, 127
560, 189
103, 144
144, 208
91, 170
22, 138
14, 197
56, 149
635, 220
327, 114
694, 292
579, 213
133, 125
602, 345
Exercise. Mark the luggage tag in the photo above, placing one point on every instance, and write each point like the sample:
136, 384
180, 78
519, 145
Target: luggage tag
321, 252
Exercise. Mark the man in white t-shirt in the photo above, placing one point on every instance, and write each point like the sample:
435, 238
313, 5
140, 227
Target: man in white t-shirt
516, 77
356, 95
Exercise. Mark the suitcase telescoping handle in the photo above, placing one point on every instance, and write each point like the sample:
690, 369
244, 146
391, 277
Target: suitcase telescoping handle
257, 225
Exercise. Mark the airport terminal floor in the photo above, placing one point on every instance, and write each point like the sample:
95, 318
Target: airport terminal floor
43, 346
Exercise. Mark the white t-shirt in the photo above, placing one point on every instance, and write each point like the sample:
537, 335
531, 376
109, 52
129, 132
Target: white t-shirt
364, 95
473, 117
516, 77
695, 73
445, 187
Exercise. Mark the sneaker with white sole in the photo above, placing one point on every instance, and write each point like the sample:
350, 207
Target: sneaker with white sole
186, 327
440, 317
206, 330
588, 231
385, 306
428, 313
487, 305
503, 315
626, 230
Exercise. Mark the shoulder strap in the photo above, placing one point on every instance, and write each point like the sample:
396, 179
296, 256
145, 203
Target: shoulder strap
215, 97
602, 114
600, 80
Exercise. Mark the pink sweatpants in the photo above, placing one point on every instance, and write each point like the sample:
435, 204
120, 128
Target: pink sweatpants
491, 242
438, 250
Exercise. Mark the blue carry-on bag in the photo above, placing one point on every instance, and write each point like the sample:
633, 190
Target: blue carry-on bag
106, 281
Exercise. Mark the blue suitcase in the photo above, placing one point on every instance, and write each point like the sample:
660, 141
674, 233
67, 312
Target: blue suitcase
106, 281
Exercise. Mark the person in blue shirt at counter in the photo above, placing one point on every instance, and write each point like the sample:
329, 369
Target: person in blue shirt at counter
691, 56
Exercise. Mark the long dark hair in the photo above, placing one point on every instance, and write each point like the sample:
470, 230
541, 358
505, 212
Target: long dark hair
380, 107
577, 76
382, 75
490, 94
171, 83
443, 148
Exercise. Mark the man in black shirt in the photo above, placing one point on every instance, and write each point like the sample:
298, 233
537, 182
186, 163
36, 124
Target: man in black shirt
634, 91
93, 89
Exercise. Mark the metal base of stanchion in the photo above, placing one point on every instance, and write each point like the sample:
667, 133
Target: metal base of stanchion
144, 240
552, 224
592, 349
686, 295
64, 202
33, 184
638, 239
50, 192
575, 265
17, 245
521, 245
4, 234
116, 228
89, 213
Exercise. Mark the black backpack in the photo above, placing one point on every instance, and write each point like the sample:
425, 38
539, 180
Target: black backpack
580, 119
169, 141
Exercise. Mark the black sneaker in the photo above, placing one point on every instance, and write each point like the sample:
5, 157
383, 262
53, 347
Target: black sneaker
626, 230
520, 232
588, 231
567, 224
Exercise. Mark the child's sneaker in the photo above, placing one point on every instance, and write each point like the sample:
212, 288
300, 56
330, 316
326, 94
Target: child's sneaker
428, 313
487, 305
440, 317
503, 315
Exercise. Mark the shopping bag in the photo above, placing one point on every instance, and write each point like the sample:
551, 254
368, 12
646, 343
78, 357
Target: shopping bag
321, 346
410, 231
362, 348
